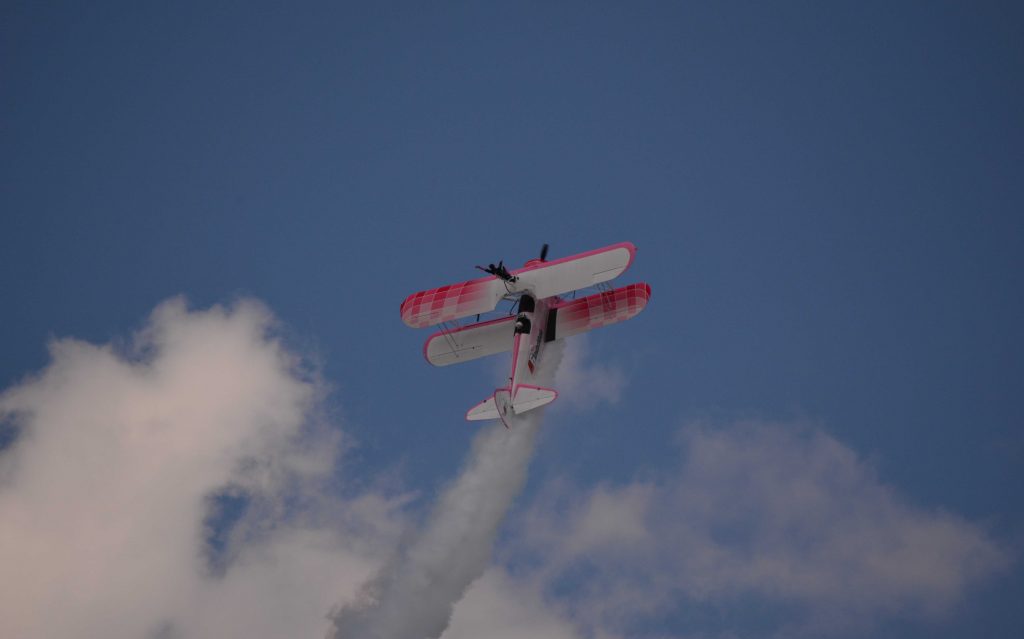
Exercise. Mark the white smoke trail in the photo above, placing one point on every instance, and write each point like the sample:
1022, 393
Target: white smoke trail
413, 595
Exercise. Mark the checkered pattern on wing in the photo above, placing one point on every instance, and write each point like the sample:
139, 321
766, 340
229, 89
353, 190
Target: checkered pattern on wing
602, 309
444, 304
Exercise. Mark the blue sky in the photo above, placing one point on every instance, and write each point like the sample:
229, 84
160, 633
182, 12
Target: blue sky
826, 201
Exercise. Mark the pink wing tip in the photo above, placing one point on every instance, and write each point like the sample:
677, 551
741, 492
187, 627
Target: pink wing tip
426, 345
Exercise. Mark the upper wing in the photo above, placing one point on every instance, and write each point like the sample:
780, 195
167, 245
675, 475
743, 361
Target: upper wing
470, 342
544, 280
600, 309
449, 303
576, 271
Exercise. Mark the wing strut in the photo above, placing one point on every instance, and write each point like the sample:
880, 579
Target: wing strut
446, 332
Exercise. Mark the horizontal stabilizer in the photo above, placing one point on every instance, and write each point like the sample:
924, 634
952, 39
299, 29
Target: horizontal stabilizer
501, 405
486, 409
530, 397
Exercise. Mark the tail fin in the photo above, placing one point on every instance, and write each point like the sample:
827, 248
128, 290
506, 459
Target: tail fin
502, 405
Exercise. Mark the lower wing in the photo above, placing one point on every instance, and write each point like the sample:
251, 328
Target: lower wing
470, 342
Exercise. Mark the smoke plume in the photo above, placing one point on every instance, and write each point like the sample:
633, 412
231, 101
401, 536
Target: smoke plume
414, 594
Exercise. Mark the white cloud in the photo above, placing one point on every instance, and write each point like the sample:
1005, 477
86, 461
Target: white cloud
105, 493
106, 501
500, 607
788, 516
583, 384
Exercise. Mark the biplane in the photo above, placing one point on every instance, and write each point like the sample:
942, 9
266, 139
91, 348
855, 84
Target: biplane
541, 312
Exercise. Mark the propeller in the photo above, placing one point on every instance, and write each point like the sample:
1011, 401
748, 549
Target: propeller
543, 252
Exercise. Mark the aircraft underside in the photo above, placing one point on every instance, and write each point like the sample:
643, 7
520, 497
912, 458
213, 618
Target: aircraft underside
542, 317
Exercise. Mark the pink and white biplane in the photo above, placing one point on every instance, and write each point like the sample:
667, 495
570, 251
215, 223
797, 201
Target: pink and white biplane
543, 316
